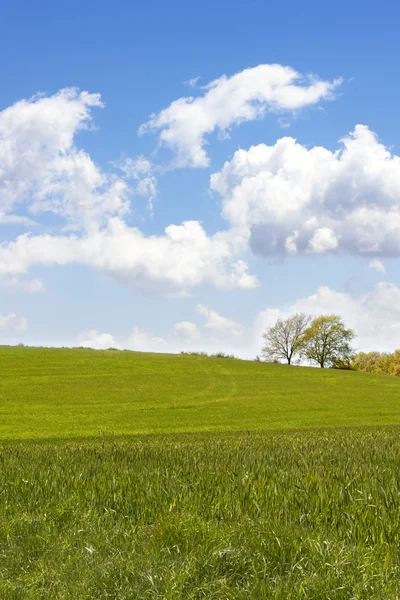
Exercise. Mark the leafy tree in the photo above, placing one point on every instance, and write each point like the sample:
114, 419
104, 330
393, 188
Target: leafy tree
394, 368
328, 341
366, 361
377, 362
285, 339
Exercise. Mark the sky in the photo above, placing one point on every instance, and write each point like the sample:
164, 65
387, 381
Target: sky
176, 176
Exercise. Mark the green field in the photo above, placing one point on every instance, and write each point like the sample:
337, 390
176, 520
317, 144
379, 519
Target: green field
131, 476
313, 515
57, 393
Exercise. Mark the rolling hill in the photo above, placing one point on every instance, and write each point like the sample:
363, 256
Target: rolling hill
48, 393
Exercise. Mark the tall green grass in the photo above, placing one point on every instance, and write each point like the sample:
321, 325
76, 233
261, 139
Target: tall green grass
313, 515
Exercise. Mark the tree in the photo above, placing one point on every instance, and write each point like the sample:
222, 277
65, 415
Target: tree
394, 368
377, 362
366, 361
328, 341
285, 339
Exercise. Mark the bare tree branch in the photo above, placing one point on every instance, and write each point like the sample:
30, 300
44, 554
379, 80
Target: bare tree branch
285, 339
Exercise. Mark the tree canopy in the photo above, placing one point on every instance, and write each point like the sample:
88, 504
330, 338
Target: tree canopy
377, 362
327, 341
285, 340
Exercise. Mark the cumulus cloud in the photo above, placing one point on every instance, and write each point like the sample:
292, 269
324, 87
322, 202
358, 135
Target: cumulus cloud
215, 333
12, 323
182, 258
322, 241
96, 340
136, 340
375, 316
228, 101
41, 168
146, 342
218, 325
186, 331
377, 266
297, 200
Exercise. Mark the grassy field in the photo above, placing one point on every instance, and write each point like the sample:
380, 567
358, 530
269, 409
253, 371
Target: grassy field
131, 476
313, 515
57, 393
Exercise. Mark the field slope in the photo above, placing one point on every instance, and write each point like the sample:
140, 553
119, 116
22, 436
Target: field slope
72, 393
307, 514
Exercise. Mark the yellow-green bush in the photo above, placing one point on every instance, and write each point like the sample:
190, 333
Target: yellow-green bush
377, 362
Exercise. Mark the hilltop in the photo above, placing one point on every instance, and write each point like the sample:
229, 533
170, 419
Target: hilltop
49, 393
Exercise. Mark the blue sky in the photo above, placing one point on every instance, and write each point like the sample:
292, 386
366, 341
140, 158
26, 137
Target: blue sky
85, 200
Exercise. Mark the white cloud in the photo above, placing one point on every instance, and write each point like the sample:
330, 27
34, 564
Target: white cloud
13, 323
298, 200
322, 241
41, 169
193, 81
147, 188
218, 325
13, 284
98, 341
229, 101
140, 340
377, 266
186, 331
136, 340
375, 316
16, 220
217, 333
182, 258
142, 171
135, 168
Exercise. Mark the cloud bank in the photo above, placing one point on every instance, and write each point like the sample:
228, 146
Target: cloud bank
375, 317
42, 170
173, 263
283, 199
295, 200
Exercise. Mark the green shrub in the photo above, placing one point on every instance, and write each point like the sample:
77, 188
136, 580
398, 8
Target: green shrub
222, 355
377, 362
